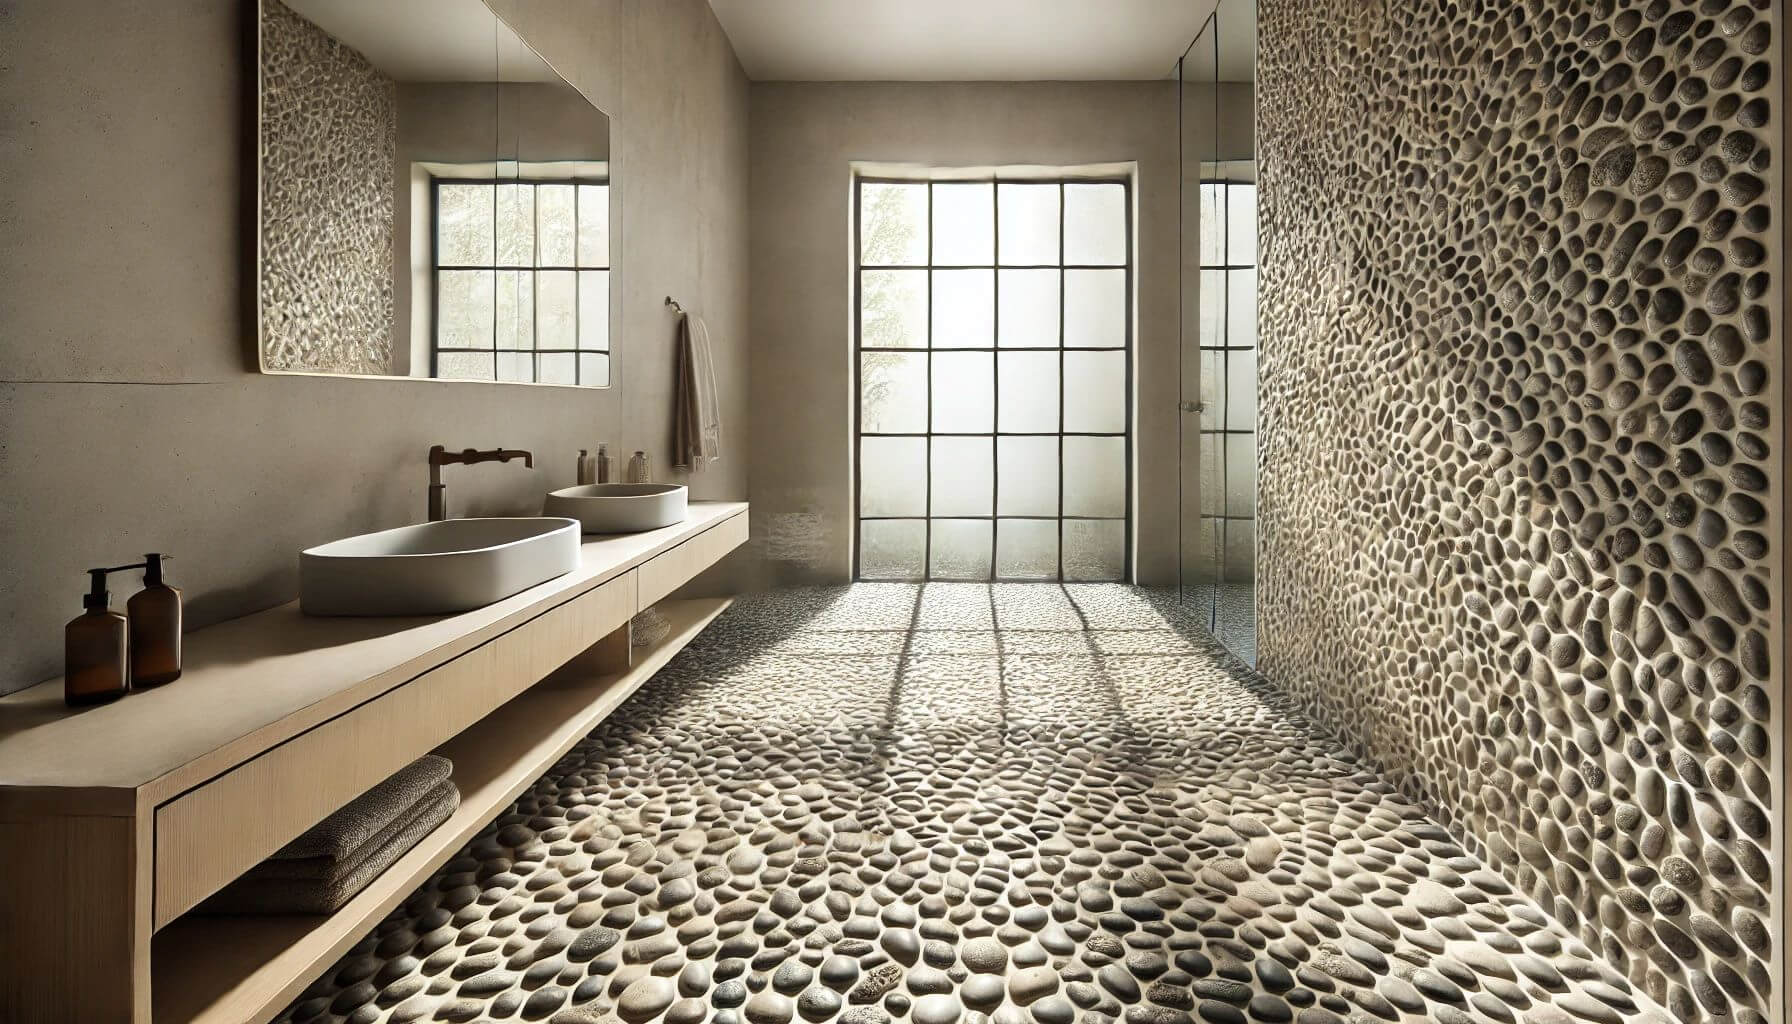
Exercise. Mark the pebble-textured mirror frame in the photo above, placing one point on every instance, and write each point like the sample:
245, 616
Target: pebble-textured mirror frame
1520, 390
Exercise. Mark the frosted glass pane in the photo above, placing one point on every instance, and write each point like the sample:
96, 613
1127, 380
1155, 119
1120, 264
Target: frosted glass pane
1094, 476
464, 365
594, 369
964, 225
1028, 301
961, 549
1241, 308
892, 549
893, 309
516, 225
516, 314
893, 392
557, 221
1213, 390
464, 225
1241, 549
1027, 549
1241, 225
1027, 383
594, 310
1241, 390
1095, 224
1200, 558
594, 225
893, 476
964, 308
1027, 476
1029, 224
1213, 226
1095, 392
1094, 549
892, 225
1212, 474
963, 392
516, 366
1241, 475
556, 309
1213, 308
464, 309
557, 368
963, 476
1094, 308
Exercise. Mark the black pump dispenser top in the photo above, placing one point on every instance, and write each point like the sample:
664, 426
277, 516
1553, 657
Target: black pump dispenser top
97, 598
152, 568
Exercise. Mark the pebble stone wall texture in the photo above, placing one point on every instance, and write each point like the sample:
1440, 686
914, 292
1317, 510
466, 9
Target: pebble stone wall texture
1026, 804
329, 139
1519, 379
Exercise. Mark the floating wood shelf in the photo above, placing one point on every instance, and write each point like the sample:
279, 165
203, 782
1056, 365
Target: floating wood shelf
223, 970
119, 820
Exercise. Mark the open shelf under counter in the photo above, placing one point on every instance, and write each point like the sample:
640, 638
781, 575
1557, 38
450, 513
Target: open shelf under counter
225, 970
119, 820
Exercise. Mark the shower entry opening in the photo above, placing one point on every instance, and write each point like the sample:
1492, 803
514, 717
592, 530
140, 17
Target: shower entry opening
992, 345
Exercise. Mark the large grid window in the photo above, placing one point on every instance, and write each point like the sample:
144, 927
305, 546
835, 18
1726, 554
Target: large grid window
1228, 514
522, 281
994, 341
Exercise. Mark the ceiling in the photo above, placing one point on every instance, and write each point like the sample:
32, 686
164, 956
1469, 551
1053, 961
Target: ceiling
1226, 49
960, 40
429, 40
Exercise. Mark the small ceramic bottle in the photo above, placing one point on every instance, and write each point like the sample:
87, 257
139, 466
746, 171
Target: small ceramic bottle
606, 466
638, 470
96, 649
587, 468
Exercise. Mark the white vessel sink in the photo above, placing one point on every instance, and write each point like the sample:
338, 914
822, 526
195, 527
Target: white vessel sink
619, 508
435, 568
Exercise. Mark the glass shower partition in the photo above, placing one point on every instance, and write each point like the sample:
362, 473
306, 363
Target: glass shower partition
1218, 419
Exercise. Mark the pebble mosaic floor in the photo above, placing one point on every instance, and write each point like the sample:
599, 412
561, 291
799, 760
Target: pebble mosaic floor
957, 803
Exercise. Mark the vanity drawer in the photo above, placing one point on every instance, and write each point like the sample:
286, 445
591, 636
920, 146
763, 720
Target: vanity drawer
209, 835
667, 572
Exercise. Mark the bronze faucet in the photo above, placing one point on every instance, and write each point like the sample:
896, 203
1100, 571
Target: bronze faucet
440, 456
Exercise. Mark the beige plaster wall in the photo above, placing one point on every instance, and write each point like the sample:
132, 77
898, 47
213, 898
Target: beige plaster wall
805, 139
129, 420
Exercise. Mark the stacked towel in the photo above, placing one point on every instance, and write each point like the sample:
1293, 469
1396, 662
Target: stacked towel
696, 414
323, 869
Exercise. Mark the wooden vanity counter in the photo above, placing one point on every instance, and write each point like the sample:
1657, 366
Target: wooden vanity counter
117, 820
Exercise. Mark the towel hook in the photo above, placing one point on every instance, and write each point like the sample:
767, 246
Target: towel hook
676, 308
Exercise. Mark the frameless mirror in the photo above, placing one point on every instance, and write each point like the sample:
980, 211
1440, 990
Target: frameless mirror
434, 200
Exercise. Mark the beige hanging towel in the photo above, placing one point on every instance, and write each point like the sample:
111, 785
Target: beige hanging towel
697, 425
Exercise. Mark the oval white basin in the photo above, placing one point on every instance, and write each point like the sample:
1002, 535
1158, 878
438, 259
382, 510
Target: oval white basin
619, 508
435, 568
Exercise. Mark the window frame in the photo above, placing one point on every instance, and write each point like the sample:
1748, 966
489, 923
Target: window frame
437, 267
1223, 519
994, 349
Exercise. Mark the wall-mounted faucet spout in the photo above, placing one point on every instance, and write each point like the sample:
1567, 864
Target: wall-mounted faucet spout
440, 456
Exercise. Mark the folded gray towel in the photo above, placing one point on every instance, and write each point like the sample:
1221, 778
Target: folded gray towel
369, 814
323, 868
253, 894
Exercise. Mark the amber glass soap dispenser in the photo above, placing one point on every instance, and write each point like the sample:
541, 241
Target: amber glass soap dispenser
96, 649
155, 618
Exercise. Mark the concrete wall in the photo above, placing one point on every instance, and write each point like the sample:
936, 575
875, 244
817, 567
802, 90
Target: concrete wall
1521, 507
129, 419
805, 139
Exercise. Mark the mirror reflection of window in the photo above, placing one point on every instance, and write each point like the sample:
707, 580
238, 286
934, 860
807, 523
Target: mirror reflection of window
521, 275
435, 201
